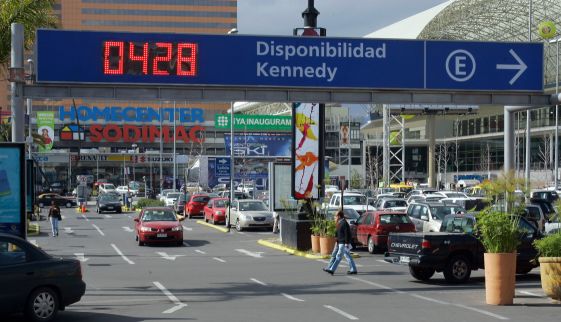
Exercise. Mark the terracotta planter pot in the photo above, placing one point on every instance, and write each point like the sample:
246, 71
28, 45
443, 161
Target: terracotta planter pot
315, 243
550, 271
500, 278
326, 245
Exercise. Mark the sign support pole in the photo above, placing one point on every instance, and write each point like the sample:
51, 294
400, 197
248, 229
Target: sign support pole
17, 80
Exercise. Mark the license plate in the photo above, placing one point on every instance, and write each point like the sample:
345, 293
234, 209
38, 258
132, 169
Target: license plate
404, 259
161, 235
109, 207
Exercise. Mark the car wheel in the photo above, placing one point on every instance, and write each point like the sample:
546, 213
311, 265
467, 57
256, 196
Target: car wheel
138, 241
119, 210
68, 205
421, 273
212, 220
238, 225
457, 270
42, 305
371, 246
206, 219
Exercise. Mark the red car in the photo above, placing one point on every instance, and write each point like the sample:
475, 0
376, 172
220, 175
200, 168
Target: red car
215, 210
373, 228
196, 204
158, 224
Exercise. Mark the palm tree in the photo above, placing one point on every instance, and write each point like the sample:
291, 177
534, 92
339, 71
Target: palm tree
32, 14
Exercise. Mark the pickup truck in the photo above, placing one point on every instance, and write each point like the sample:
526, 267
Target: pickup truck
455, 250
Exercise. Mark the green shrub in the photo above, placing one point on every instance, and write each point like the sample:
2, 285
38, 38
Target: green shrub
549, 246
145, 202
498, 231
330, 228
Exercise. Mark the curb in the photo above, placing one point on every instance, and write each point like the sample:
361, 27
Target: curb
33, 231
222, 229
290, 250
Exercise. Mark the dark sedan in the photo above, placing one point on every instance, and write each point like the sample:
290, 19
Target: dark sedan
108, 202
44, 200
34, 283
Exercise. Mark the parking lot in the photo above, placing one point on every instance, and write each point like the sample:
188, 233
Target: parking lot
217, 276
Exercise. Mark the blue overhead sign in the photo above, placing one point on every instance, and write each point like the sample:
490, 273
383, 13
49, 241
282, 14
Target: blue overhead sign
307, 62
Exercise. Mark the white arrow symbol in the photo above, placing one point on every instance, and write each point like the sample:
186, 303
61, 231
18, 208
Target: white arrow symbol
68, 230
248, 253
520, 66
128, 229
81, 257
168, 257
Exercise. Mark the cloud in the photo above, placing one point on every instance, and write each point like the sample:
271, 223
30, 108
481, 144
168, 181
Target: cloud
349, 18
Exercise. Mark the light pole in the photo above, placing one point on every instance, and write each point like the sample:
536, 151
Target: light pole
228, 225
555, 179
134, 146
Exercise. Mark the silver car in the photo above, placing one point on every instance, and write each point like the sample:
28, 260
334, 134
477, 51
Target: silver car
249, 213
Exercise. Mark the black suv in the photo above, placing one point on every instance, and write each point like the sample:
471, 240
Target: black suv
549, 195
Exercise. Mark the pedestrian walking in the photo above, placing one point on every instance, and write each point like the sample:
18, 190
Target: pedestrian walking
54, 217
342, 246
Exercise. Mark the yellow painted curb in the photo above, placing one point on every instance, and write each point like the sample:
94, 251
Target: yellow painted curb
290, 250
222, 229
33, 230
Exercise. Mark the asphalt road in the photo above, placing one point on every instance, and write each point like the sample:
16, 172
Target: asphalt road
220, 276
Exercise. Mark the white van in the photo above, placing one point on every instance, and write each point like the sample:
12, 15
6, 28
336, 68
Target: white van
353, 200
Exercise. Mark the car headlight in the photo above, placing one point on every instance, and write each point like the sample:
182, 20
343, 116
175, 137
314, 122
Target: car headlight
177, 228
145, 229
245, 217
219, 213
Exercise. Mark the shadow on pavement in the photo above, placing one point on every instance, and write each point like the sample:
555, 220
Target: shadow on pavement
73, 316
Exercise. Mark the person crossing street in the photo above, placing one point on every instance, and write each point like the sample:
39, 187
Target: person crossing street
54, 217
342, 246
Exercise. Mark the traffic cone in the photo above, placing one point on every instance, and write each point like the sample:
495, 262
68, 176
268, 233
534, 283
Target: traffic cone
83, 208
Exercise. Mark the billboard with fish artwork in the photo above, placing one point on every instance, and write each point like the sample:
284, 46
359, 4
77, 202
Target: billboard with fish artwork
307, 150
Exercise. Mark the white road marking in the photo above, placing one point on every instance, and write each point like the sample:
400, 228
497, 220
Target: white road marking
258, 281
86, 218
34, 242
122, 255
171, 297
127, 229
186, 244
63, 216
168, 257
264, 233
248, 253
187, 228
341, 263
343, 313
68, 230
107, 216
219, 259
99, 230
114, 301
383, 261
241, 233
290, 297
81, 257
530, 293
500, 317
199, 251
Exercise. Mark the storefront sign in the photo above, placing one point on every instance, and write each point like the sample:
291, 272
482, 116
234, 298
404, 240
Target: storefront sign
130, 114
254, 122
260, 144
46, 128
145, 133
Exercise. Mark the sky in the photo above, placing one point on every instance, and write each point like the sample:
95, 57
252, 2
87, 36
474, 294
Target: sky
342, 18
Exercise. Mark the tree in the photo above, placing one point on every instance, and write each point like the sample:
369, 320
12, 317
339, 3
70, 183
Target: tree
32, 14
485, 160
373, 166
443, 150
545, 151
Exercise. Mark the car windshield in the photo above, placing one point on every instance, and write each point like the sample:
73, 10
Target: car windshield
252, 206
220, 204
395, 203
158, 215
351, 214
441, 212
109, 198
454, 195
452, 224
201, 199
173, 195
108, 186
394, 219
354, 200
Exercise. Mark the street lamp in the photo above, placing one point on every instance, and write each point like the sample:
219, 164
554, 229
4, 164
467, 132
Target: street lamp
228, 225
556, 113
134, 146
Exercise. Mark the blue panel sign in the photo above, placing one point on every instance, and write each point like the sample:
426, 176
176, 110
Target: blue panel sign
12, 189
222, 167
260, 144
308, 62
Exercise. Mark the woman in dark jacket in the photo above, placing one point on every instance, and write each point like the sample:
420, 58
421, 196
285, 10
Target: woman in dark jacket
342, 247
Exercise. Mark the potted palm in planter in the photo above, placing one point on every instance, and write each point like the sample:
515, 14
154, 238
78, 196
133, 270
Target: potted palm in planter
500, 237
327, 238
549, 249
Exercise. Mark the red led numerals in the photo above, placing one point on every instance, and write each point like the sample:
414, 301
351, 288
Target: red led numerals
143, 58
187, 55
113, 60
